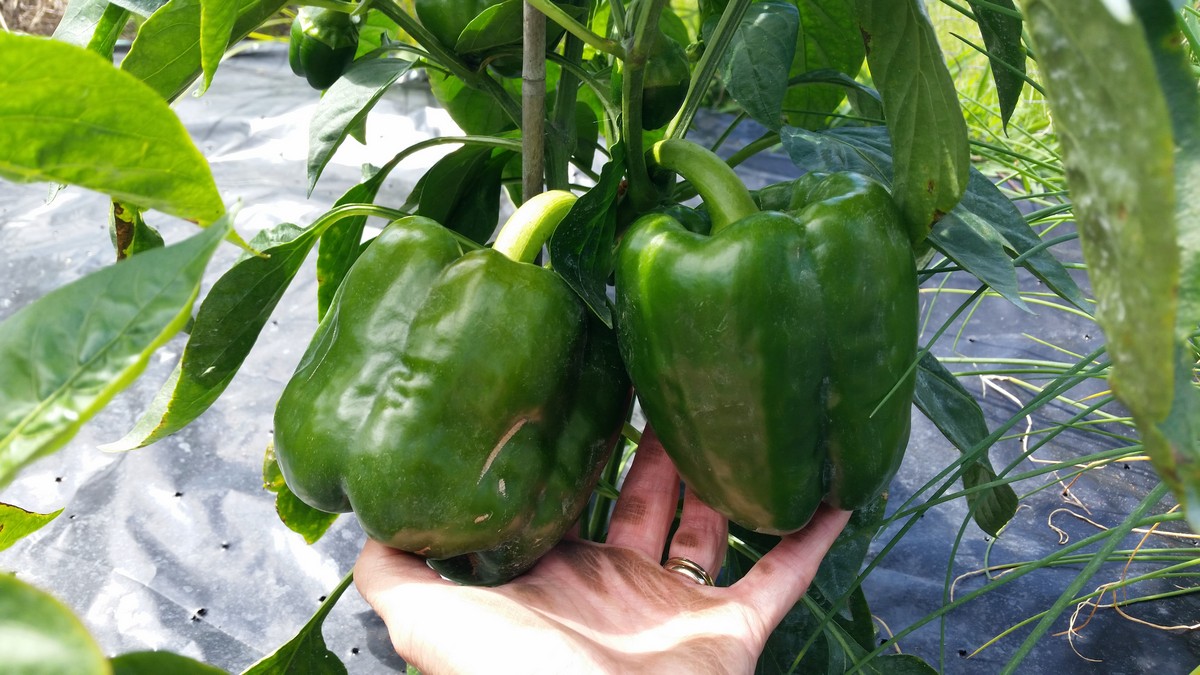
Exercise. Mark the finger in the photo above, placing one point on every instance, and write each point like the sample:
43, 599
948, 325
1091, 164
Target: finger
702, 535
643, 514
380, 569
777, 581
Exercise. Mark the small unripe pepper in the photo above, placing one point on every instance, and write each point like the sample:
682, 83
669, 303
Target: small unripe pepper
322, 45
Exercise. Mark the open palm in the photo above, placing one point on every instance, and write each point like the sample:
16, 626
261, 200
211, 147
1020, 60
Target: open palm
610, 607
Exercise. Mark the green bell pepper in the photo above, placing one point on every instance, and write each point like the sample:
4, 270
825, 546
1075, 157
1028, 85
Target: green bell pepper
461, 404
322, 44
774, 356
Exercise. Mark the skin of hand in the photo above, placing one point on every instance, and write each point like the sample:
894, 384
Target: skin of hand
606, 608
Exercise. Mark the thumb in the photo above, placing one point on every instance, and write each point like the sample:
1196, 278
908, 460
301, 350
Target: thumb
777, 581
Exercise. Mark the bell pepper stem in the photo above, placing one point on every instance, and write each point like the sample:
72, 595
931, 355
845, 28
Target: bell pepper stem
727, 199
524, 233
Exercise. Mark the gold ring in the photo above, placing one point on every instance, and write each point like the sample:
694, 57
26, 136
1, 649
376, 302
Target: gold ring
689, 569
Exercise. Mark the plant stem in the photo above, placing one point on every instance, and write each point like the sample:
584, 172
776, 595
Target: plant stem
475, 79
524, 233
560, 142
645, 32
727, 199
568, 22
533, 100
706, 69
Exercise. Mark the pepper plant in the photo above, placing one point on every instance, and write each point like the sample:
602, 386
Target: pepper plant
801, 372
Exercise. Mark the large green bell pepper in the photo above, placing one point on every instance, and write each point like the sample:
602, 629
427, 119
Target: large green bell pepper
322, 44
462, 405
774, 356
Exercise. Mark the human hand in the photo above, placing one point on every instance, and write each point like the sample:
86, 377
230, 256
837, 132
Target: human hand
610, 607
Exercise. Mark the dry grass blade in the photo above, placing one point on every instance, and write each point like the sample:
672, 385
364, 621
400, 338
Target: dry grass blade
38, 17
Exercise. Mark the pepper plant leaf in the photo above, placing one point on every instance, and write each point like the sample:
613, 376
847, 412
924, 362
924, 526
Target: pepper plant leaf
462, 191
756, 65
942, 398
95, 24
143, 8
153, 663
306, 653
65, 355
1000, 26
38, 634
129, 231
341, 243
828, 41
1133, 196
981, 233
17, 523
345, 105
921, 107
217, 18
167, 52
581, 246
227, 325
67, 116
299, 517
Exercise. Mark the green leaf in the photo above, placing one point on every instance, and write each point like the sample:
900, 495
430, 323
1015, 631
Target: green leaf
496, 26
306, 653
129, 232
462, 191
829, 40
581, 246
68, 116
156, 663
166, 53
226, 328
217, 18
345, 105
921, 108
95, 24
1125, 183
980, 234
1141, 238
340, 244
755, 67
474, 111
1175, 443
501, 25
143, 8
17, 523
299, 517
942, 398
227, 325
68, 353
1178, 84
1001, 34
39, 635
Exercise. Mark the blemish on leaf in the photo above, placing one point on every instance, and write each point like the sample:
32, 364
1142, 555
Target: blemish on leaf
484, 518
930, 186
866, 38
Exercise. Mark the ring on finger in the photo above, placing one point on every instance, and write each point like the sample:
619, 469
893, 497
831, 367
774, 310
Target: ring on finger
689, 569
